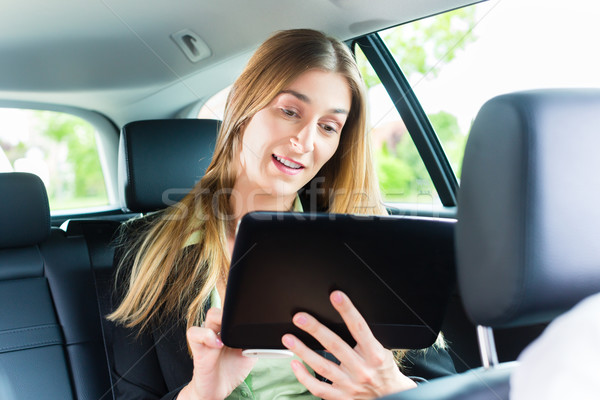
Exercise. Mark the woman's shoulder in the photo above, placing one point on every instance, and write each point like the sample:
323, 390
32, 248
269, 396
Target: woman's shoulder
137, 226
126, 244
127, 237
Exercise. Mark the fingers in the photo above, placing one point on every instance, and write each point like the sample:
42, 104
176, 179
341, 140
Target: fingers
367, 371
198, 337
213, 319
319, 364
207, 334
368, 347
358, 327
204, 341
328, 339
318, 388
218, 369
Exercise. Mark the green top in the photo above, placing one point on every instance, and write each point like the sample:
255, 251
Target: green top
271, 378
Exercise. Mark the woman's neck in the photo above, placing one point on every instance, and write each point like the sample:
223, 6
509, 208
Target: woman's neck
243, 205
244, 200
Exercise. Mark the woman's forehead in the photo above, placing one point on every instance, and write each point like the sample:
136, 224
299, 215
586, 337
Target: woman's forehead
321, 88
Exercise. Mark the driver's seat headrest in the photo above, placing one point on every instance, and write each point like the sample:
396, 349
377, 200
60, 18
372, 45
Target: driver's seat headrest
528, 209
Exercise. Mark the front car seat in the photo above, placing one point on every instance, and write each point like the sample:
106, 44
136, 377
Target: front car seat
528, 224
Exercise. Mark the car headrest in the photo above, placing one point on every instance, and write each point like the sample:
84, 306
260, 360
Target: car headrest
528, 214
161, 160
24, 210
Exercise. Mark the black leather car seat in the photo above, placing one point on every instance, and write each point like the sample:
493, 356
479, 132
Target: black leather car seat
50, 342
528, 223
31, 341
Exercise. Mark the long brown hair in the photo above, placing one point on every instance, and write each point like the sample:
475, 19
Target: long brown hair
167, 275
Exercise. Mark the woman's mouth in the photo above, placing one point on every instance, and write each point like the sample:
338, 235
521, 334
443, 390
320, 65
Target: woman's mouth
286, 166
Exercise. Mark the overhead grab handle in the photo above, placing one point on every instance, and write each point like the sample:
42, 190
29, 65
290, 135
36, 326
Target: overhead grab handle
191, 44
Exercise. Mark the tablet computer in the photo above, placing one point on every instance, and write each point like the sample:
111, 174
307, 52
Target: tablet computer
398, 271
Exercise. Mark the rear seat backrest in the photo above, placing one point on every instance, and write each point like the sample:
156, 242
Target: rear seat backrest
72, 286
31, 341
50, 336
99, 236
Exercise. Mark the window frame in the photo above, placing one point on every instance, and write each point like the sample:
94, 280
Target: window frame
107, 139
418, 125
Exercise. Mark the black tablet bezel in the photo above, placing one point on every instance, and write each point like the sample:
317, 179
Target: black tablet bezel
398, 271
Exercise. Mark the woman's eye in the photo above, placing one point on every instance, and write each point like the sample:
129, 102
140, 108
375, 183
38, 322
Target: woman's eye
289, 113
328, 128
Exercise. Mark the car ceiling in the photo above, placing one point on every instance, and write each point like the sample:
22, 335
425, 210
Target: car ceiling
117, 57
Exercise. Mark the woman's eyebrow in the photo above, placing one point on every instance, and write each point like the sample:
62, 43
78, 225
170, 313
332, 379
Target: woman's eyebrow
299, 96
303, 98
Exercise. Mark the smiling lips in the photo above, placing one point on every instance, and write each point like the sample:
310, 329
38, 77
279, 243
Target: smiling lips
287, 166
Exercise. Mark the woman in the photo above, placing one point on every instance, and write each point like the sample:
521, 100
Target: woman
296, 115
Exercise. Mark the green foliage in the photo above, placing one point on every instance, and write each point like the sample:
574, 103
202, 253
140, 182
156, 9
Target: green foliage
82, 184
401, 172
426, 45
452, 139
421, 48
396, 176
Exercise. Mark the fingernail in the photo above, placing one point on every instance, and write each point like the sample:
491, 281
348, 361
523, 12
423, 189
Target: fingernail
288, 341
300, 319
219, 342
337, 297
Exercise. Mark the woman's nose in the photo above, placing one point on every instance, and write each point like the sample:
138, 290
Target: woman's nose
304, 140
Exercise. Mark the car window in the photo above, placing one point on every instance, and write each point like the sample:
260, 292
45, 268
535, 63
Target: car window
58, 147
402, 175
457, 60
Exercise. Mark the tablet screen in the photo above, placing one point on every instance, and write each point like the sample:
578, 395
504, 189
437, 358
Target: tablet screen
398, 271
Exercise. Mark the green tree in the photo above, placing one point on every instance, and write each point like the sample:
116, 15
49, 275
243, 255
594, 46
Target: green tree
87, 186
452, 139
421, 48
396, 175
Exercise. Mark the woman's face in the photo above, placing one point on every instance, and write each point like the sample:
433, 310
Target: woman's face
286, 143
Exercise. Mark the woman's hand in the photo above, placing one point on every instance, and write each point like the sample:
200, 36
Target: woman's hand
366, 371
218, 369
